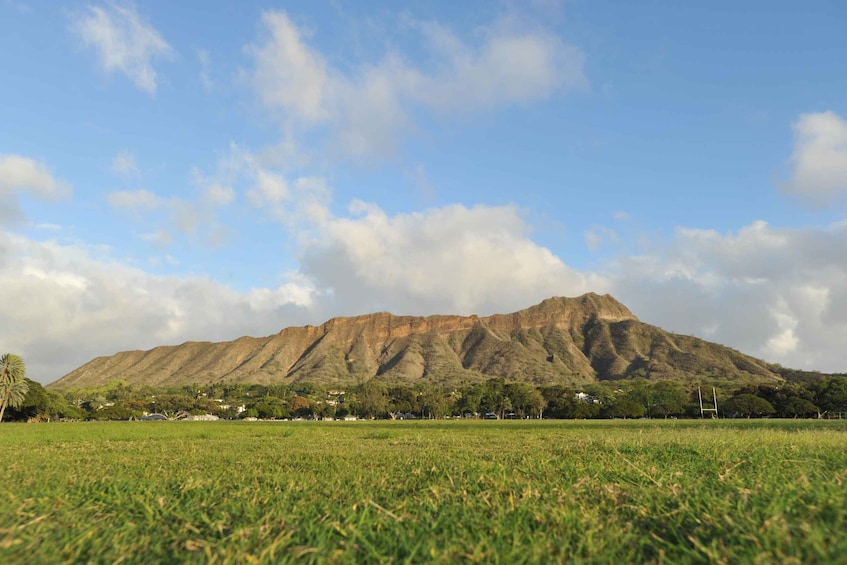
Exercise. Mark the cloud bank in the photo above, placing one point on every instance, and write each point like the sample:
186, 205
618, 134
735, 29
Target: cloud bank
777, 293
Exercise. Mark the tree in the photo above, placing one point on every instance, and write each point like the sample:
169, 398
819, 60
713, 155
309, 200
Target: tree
302, 407
832, 395
536, 404
667, 398
638, 392
34, 406
433, 403
324, 410
521, 396
270, 408
371, 400
13, 387
748, 405
115, 412
624, 408
493, 398
470, 399
797, 407
560, 402
402, 399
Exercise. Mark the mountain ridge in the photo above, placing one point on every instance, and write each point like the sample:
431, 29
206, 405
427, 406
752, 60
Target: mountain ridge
560, 340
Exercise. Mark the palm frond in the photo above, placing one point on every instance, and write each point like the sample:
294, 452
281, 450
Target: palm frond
12, 368
14, 393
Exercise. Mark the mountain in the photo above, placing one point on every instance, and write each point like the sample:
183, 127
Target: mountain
561, 340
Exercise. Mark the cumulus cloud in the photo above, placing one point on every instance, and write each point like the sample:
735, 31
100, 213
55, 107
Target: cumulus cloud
368, 259
777, 293
123, 41
366, 109
64, 305
452, 259
22, 175
819, 159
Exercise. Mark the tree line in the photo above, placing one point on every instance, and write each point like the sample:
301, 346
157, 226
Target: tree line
493, 398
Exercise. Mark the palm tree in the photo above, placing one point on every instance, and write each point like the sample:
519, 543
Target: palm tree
13, 387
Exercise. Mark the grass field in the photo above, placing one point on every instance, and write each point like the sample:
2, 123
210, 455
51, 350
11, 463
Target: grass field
444, 491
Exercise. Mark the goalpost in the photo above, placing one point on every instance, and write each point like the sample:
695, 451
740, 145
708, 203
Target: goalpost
704, 409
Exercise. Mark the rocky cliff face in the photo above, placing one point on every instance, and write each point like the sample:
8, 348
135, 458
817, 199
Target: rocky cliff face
561, 340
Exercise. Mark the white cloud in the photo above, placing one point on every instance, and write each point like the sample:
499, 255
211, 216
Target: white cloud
819, 158
193, 217
136, 200
510, 66
123, 40
270, 188
776, 293
48, 227
312, 196
399, 262
366, 109
451, 260
64, 305
22, 175
300, 206
289, 76
123, 164
298, 202
159, 238
219, 196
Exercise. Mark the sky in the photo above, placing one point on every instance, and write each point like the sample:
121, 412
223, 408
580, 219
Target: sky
175, 171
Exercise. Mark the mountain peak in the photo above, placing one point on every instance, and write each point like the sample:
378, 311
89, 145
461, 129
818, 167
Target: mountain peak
560, 340
602, 305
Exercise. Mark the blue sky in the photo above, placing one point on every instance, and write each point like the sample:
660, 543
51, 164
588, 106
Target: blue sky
201, 171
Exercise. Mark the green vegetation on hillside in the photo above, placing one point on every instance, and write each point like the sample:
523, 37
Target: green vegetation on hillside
509, 492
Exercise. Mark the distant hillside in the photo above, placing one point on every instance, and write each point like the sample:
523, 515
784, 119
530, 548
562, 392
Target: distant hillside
560, 340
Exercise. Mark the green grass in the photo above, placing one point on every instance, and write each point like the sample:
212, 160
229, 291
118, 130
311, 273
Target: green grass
352, 492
